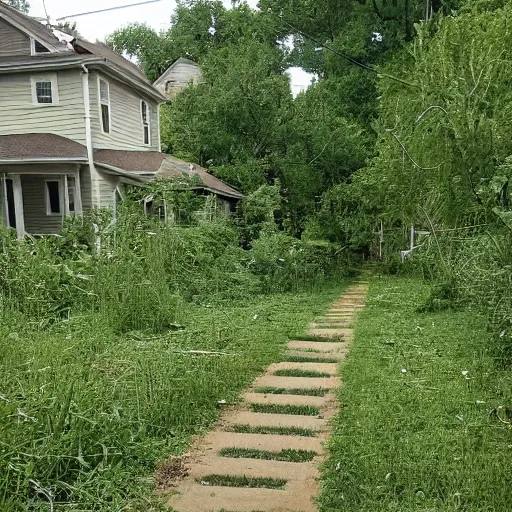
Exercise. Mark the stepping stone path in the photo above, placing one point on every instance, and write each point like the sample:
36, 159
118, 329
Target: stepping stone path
265, 425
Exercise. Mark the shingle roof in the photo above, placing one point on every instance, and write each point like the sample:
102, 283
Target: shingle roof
40, 146
84, 48
31, 25
103, 51
158, 165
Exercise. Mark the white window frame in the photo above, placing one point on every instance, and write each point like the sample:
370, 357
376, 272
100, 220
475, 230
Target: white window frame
47, 77
100, 103
33, 47
49, 212
148, 114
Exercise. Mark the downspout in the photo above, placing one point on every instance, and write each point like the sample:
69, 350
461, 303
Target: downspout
95, 185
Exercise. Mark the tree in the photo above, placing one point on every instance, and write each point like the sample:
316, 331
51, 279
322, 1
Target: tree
21, 5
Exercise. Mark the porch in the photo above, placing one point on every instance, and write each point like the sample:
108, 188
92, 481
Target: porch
37, 199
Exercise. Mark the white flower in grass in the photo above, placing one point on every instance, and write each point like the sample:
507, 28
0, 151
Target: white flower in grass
403, 370
465, 374
255, 317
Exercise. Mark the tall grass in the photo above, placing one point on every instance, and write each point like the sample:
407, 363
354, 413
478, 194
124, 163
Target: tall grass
97, 382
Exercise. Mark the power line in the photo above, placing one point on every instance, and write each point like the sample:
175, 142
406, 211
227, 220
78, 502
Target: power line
345, 56
107, 9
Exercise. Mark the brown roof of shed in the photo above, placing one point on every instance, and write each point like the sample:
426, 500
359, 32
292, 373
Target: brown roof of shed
40, 146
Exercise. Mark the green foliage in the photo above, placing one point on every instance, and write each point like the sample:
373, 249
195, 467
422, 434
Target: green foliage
21, 5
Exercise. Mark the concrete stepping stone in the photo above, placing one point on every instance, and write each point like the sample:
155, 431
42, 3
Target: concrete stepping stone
322, 346
283, 399
216, 441
330, 368
331, 333
260, 419
329, 324
212, 464
297, 382
338, 354
199, 498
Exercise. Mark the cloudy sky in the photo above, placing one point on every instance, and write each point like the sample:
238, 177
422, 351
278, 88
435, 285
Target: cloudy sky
98, 26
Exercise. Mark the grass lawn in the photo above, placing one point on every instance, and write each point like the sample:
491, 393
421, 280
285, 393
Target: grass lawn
85, 414
424, 424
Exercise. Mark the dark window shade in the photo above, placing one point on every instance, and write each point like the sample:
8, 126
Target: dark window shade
39, 48
146, 134
11, 209
53, 196
105, 118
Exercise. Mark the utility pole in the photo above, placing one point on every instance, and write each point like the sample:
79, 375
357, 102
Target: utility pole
428, 10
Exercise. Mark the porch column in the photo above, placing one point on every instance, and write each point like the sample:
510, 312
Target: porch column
18, 205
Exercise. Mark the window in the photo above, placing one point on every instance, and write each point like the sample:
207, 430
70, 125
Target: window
44, 92
53, 198
144, 111
36, 47
44, 89
105, 106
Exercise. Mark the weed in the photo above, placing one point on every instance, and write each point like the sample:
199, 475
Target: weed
301, 410
293, 391
305, 359
281, 431
307, 337
242, 481
283, 455
295, 372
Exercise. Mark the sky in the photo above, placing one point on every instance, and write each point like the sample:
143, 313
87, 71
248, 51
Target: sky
157, 15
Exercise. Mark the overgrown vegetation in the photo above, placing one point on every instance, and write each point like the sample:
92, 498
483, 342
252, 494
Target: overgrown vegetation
111, 360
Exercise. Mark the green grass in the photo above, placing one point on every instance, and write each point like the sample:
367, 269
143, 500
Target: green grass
293, 372
308, 337
301, 410
242, 481
426, 439
87, 413
292, 391
278, 431
305, 359
283, 455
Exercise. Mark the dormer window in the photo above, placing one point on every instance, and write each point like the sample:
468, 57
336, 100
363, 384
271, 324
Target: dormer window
105, 105
36, 47
145, 117
44, 89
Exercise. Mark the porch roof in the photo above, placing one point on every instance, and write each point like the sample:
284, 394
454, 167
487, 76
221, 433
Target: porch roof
150, 165
40, 147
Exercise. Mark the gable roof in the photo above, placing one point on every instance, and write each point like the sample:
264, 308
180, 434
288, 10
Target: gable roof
181, 60
103, 51
31, 27
84, 52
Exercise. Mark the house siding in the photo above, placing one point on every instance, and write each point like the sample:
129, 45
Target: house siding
19, 115
179, 77
126, 131
86, 187
12, 40
34, 206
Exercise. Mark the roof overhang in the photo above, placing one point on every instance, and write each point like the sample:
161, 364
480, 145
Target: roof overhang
77, 61
57, 160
